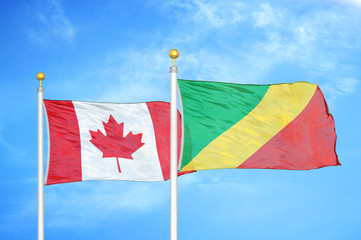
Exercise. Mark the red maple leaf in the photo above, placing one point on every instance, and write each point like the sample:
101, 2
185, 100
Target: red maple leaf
113, 144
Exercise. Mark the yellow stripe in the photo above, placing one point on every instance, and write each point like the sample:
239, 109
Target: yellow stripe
281, 104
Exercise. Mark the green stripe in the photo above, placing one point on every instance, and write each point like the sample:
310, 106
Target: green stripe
210, 108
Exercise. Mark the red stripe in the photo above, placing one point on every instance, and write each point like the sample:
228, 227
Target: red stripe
160, 114
308, 142
65, 149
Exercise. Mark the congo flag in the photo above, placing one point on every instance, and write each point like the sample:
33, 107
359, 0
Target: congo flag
281, 126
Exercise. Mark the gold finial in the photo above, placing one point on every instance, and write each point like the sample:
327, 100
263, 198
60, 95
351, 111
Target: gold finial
40, 76
173, 54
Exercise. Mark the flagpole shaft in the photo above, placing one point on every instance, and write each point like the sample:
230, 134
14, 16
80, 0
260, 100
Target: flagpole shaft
40, 165
173, 155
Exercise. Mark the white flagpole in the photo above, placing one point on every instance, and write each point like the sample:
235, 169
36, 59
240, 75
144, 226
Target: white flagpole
173, 148
40, 76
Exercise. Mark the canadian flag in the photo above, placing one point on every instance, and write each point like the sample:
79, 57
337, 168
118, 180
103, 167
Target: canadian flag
108, 141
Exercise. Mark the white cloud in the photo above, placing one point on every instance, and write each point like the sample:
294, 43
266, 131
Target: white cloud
338, 87
122, 75
308, 42
52, 24
208, 65
218, 15
353, 2
304, 34
305, 41
131, 75
268, 16
314, 43
215, 14
348, 85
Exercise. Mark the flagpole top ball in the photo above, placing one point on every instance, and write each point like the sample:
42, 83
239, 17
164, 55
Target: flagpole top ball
173, 54
40, 76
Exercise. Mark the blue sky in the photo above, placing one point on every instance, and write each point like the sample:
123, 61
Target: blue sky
117, 51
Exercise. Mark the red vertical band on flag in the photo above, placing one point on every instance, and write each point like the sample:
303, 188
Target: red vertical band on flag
160, 114
307, 142
65, 149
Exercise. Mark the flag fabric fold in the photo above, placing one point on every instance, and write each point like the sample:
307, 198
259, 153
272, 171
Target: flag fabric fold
108, 141
281, 126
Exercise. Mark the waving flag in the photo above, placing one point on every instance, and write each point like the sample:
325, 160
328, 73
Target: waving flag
283, 126
108, 141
